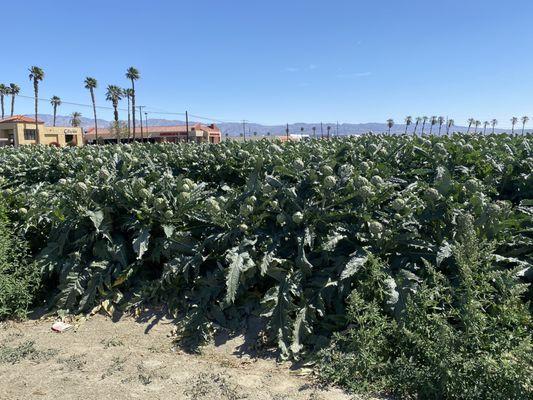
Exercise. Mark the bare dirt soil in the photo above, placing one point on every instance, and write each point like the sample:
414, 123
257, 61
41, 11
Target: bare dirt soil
128, 359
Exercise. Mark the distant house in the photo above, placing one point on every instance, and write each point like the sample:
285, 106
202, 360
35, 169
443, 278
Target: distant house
272, 138
294, 137
198, 133
20, 130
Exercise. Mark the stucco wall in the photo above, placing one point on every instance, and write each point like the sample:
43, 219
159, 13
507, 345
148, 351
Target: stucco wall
48, 135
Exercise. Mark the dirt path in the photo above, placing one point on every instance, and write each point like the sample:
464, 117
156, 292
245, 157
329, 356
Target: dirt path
101, 359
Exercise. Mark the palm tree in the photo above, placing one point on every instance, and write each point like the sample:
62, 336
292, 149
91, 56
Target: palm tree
418, 120
14, 90
314, 131
424, 120
485, 124
493, 123
450, 123
408, 121
75, 119
433, 122
476, 124
390, 124
36, 75
470, 121
132, 74
524, 122
441, 121
56, 102
128, 93
4, 90
514, 120
91, 84
114, 95
328, 128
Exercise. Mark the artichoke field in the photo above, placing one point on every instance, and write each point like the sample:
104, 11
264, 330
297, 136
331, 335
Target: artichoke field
281, 231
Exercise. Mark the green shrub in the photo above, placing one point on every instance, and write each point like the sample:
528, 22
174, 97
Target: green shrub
19, 277
466, 337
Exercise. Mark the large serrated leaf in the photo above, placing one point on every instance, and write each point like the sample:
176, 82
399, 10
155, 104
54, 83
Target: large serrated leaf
141, 242
353, 266
238, 263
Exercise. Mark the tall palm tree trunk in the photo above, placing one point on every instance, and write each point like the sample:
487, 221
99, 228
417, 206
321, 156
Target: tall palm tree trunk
95, 119
55, 113
523, 125
129, 119
440, 127
133, 107
423, 126
416, 126
36, 91
12, 104
2, 101
117, 126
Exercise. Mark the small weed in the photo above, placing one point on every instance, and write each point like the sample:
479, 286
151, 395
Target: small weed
112, 342
147, 376
24, 351
74, 362
214, 385
117, 365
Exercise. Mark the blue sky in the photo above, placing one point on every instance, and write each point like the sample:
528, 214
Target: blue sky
281, 61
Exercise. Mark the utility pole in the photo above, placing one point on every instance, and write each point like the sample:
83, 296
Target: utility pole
244, 129
187, 124
146, 119
141, 118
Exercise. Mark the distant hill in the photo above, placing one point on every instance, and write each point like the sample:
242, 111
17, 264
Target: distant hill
235, 128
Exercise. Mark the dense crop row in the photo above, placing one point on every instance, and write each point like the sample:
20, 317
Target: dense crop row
287, 231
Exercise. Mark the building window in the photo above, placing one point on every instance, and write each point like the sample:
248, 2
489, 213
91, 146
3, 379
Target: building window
30, 134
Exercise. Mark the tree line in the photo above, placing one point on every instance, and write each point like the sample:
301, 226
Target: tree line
449, 123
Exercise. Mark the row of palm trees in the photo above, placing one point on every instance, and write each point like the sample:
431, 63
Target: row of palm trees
8, 90
440, 121
114, 94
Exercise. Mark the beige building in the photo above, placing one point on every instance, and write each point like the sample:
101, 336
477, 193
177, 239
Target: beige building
20, 130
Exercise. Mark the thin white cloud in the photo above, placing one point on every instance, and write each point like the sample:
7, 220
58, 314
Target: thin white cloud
354, 75
309, 67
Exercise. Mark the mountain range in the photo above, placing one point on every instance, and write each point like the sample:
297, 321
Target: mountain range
236, 128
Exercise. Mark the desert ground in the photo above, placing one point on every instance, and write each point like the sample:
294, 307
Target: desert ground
135, 358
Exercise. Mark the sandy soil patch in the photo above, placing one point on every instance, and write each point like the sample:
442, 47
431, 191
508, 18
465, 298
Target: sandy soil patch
128, 359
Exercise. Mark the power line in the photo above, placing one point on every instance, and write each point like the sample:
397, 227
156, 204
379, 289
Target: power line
152, 110
72, 103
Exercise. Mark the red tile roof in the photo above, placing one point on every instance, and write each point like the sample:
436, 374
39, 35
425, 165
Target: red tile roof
19, 118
